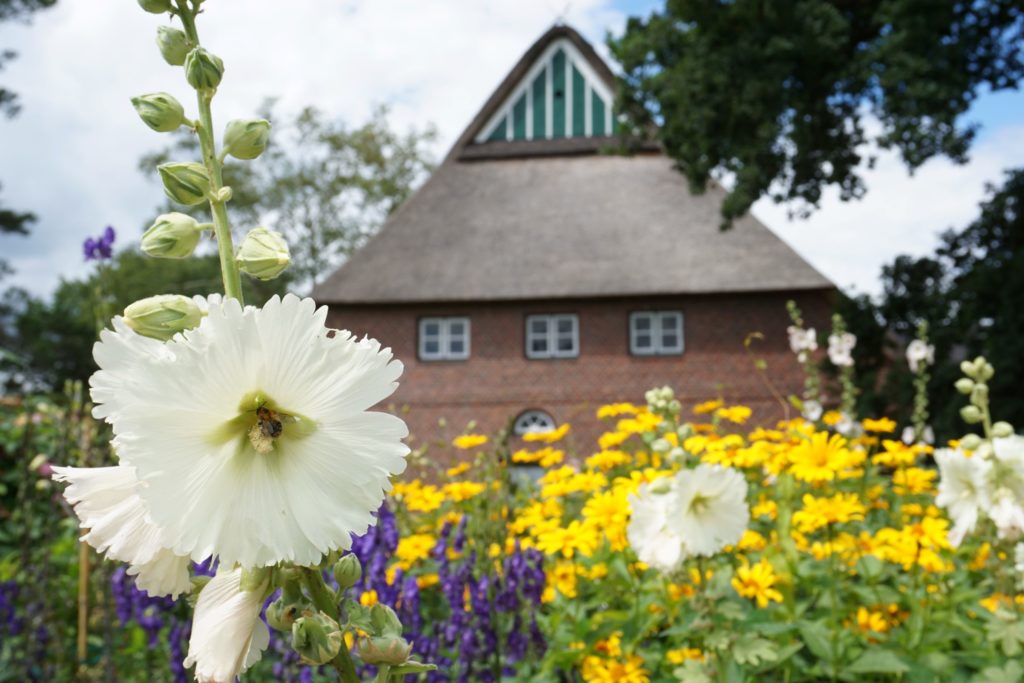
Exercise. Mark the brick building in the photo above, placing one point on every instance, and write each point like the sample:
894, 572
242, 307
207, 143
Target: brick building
534, 276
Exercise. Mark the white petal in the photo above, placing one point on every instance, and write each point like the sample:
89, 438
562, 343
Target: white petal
228, 635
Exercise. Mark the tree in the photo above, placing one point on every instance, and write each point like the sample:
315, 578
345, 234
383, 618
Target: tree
50, 341
17, 10
969, 292
325, 185
784, 96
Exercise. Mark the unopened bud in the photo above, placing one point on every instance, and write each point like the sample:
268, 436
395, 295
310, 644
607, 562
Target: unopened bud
347, 571
661, 446
387, 650
967, 367
1001, 430
964, 385
317, 638
970, 442
173, 45
986, 371
979, 393
156, 6
281, 615
246, 138
660, 486
263, 254
203, 69
384, 620
161, 317
970, 414
159, 111
172, 235
185, 182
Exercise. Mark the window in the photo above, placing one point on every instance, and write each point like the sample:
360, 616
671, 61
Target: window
444, 338
533, 422
656, 333
552, 336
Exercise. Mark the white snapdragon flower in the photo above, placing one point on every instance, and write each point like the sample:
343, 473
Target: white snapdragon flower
802, 342
251, 434
963, 490
840, 349
708, 508
228, 635
648, 531
107, 503
920, 352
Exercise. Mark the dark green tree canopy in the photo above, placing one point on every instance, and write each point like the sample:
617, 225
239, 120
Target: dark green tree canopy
969, 291
783, 96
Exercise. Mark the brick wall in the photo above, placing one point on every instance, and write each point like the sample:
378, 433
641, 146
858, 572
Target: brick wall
498, 382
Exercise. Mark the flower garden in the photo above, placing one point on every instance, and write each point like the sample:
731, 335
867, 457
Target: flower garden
224, 501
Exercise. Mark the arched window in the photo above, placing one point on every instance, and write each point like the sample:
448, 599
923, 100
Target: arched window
533, 422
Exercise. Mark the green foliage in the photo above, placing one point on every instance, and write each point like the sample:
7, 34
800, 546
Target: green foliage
325, 185
51, 341
969, 292
783, 95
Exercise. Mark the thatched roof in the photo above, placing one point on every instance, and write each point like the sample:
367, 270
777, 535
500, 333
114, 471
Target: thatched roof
540, 219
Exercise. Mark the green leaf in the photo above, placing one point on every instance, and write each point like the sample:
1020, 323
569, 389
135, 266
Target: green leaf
691, 672
815, 635
1006, 629
1011, 672
878, 661
751, 649
412, 667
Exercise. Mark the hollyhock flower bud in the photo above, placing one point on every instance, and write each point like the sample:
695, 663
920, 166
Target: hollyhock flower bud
317, 638
162, 317
246, 138
185, 182
263, 254
155, 6
970, 414
1002, 430
172, 235
173, 45
203, 69
347, 571
971, 442
388, 650
281, 615
159, 111
964, 385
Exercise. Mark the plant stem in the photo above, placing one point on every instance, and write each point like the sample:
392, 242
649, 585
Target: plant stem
383, 673
326, 603
221, 225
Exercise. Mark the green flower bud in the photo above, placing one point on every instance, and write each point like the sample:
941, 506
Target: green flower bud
979, 393
387, 650
317, 638
173, 45
203, 70
173, 235
185, 182
661, 446
281, 614
964, 385
971, 442
986, 371
1001, 430
263, 254
161, 317
347, 571
246, 138
159, 111
970, 414
384, 620
156, 6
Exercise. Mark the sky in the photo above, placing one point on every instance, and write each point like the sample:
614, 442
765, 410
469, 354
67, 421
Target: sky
71, 157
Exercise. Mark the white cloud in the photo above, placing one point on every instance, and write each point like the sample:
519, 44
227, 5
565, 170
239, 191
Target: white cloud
901, 214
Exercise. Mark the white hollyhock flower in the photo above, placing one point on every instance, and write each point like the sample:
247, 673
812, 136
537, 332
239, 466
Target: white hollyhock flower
802, 341
228, 635
1018, 557
963, 490
107, 503
812, 411
918, 352
648, 531
708, 508
1007, 513
251, 433
840, 349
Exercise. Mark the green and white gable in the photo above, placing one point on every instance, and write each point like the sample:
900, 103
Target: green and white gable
560, 96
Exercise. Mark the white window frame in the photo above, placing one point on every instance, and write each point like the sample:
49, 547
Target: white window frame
444, 338
552, 335
656, 333
533, 422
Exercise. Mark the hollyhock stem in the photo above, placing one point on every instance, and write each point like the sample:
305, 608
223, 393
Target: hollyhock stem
221, 225
325, 602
